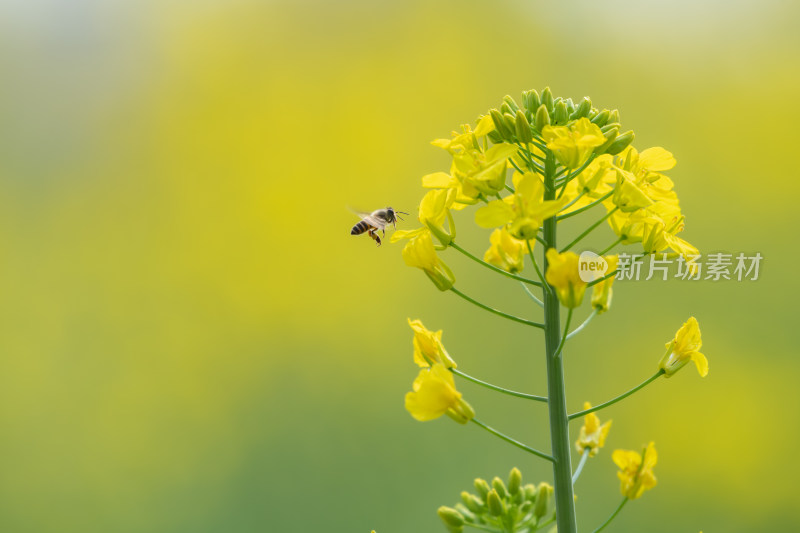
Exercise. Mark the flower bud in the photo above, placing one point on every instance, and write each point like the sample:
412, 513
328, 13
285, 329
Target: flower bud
542, 118
461, 412
473, 503
543, 496
500, 124
547, 99
523, 128
451, 518
560, 115
611, 136
511, 123
514, 481
614, 116
500, 487
620, 143
508, 100
482, 487
530, 491
601, 118
582, 110
530, 100
495, 504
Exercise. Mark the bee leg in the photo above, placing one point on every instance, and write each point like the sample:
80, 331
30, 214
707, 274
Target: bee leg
375, 237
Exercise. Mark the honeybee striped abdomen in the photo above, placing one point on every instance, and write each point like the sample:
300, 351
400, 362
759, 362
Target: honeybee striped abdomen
360, 228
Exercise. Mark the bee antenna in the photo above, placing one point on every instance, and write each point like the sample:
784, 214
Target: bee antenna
402, 212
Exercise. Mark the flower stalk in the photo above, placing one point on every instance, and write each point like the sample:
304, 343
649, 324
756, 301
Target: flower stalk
556, 391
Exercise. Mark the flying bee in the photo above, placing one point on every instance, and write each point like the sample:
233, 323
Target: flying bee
376, 221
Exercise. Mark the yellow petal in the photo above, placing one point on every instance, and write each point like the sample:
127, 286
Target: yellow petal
700, 362
495, 213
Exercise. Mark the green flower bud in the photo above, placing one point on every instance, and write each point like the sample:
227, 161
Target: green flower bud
495, 137
505, 108
547, 99
582, 110
614, 116
530, 100
500, 487
500, 124
511, 124
542, 118
561, 114
570, 105
523, 128
543, 496
610, 136
514, 480
511, 103
451, 518
482, 487
495, 504
601, 118
473, 503
609, 126
466, 513
530, 492
620, 143
525, 508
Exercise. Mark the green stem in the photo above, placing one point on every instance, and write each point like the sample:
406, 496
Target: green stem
499, 389
578, 470
583, 325
533, 296
508, 439
556, 393
586, 207
495, 311
566, 330
613, 244
589, 230
492, 267
598, 280
613, 516
618, 398
536, 267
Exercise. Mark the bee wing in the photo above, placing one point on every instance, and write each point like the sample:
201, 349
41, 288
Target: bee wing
369, 218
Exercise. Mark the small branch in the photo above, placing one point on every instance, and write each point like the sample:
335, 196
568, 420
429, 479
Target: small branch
586, 207
585, 323
613, 244
613, 516
492, 267
496, 312
618, 398
512, 441
536, 267
499, 389
589, 230
564, 336
533, 296
578, 470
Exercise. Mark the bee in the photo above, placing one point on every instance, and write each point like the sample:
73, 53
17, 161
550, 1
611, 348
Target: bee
376, 221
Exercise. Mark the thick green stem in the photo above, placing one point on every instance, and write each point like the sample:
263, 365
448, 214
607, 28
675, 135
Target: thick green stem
557, 399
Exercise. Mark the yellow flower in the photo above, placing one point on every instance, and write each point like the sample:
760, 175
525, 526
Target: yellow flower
522, 211
602, 292
419, 252
636, 472
573, 144
434, 394
627, 194
562, 274
428, 347
593, 435
684, 348
505, 251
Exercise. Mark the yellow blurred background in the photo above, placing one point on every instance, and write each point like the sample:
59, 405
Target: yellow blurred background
191, 342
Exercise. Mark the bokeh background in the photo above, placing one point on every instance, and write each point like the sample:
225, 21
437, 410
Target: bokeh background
190, 340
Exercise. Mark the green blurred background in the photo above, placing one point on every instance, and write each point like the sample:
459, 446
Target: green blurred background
190, 341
